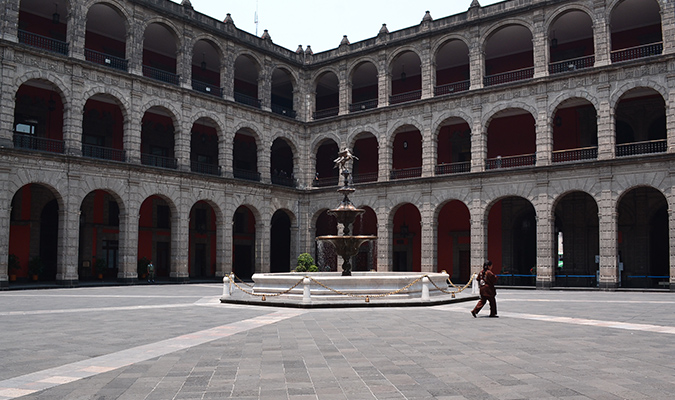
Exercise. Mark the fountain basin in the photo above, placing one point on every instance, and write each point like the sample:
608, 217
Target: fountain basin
359, 283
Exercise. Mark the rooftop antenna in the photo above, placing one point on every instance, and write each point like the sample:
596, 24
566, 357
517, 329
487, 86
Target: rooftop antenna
255, 18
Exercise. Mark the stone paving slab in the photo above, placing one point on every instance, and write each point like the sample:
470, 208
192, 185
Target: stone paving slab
545, 345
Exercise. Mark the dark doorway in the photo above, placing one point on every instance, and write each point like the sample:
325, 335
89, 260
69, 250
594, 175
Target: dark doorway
49, 233
280, 246
163, 263
243, 261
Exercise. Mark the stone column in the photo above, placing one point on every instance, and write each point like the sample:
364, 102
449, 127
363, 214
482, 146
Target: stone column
476, 61
479, 225
428, 231
540, 45
180, 231
5, 218
7, 101
225, 243
132, 131
383, 81
428, 73
671, 239
262, 244
601, 35
265, 88
545, 238
384, 156
428, 148
76, 31
544, 133
9, 23
608, 220
128, 240
73, 117
225, 147
134, 46
384, 236
668, 27
69, 235
606, 132
670, 121
183, 135
344, 91
478, 141
227, 72
184, 58
295, 245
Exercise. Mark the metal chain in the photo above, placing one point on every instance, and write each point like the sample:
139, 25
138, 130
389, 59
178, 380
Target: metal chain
367, 296
263, 295
241, 280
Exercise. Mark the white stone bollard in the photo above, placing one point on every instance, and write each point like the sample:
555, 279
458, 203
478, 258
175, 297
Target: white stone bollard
474, 285
306, 296
425, 289
226, 287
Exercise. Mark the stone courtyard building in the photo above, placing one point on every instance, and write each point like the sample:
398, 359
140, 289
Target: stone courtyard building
537, 134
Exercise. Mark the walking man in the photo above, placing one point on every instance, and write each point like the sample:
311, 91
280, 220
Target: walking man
486, 282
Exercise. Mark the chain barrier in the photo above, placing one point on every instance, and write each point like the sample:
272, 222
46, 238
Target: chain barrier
242, 281
367, 296
459, 290
263, 296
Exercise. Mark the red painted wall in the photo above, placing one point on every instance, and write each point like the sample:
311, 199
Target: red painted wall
411, 83
452, 75
43, 26
636, 37
511, 136
104, 44
118, 120
495, 237
54, 124
454, 217
367, 152
409, 215
159, 61
512, 62
444, 146
410, 157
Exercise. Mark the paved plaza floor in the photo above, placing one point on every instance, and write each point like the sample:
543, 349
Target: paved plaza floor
179, 342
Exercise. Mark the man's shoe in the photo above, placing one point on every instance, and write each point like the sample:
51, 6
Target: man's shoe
473, 313
494, 316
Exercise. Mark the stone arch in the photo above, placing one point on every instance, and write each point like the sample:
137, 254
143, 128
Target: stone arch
318, 141
647, 83
288, 69
446, 115
550, 19
442, 40
609, 8
488, 31
351, 67
118, 97
175, 113
494, 111
251, 55
170, 25
356, 132
316, 74
213, 41
400, 50
213, 118
59, 85
563, 97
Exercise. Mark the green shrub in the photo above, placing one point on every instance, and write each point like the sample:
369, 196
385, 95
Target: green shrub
305, 261
300, 268
313, 268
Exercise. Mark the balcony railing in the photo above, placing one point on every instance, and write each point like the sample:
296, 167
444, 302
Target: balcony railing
203, 168
31, 142
366, 177
637, 52
161, 75
103, 153
106, 59
453, 168
158, 161
406, 173
637, 148
363, 105
323, 182
246, 174
326, 112
571, 65
248, 100
283, 181
42, 42
572, 155
451, 88
207, 88
523, 160
511, 76
404, 97
285, 111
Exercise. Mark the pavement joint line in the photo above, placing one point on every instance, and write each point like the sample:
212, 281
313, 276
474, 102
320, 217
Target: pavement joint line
98, 309
586, 301
579, 321
49, 378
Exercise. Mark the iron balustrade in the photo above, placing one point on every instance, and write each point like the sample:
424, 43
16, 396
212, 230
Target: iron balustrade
451, 88
158, 161
571, 65
633, 53
283, 181
246, 174
103, 153
453, 168
510, 76
204, 168
248, 100
207, 88
106, 59
323, 182
363, 178
285, 111
326, 112
572, 155
404, 97
637, 148
43, 42
161, 75
31, 142
523, 160
363, 105
405, 173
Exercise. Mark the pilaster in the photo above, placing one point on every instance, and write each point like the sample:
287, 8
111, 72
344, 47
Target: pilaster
478, 141
9, 21
183, 135
476, 60
606, 135
5, 217
601, 34
608, 219
428, 231
428, 148
128, 240
540, 45
180, 231
544, 138
668, 26
384, 235
545, 237
76, 29
478, 230
7, 101
132, 128
383, 81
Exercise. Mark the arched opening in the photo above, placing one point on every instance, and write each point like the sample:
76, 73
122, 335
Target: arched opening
365, 224
452, 68
44, 26
282, 163
157, 139
326, 173
159, 54
98, 256
38, 117
365, 169
577, 240
204, 147
512, 241
640, 123
326, 257
206, 68
509, 55
246, 71
243, 243
571, 44
407, 238
407, 153
245, 156
364, 87
511, 140
280, 243
575, 131
643, 239
453, 152
636, 30
406, 78
202, 241
106, 36
103, 129
327, 95
34, 233
454, 241
154, 234
282, 93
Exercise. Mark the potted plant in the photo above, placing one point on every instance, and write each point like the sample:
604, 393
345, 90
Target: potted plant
35, 267
13, 265
100, 266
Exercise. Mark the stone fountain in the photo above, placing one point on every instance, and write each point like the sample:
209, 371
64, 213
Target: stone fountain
346, 245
